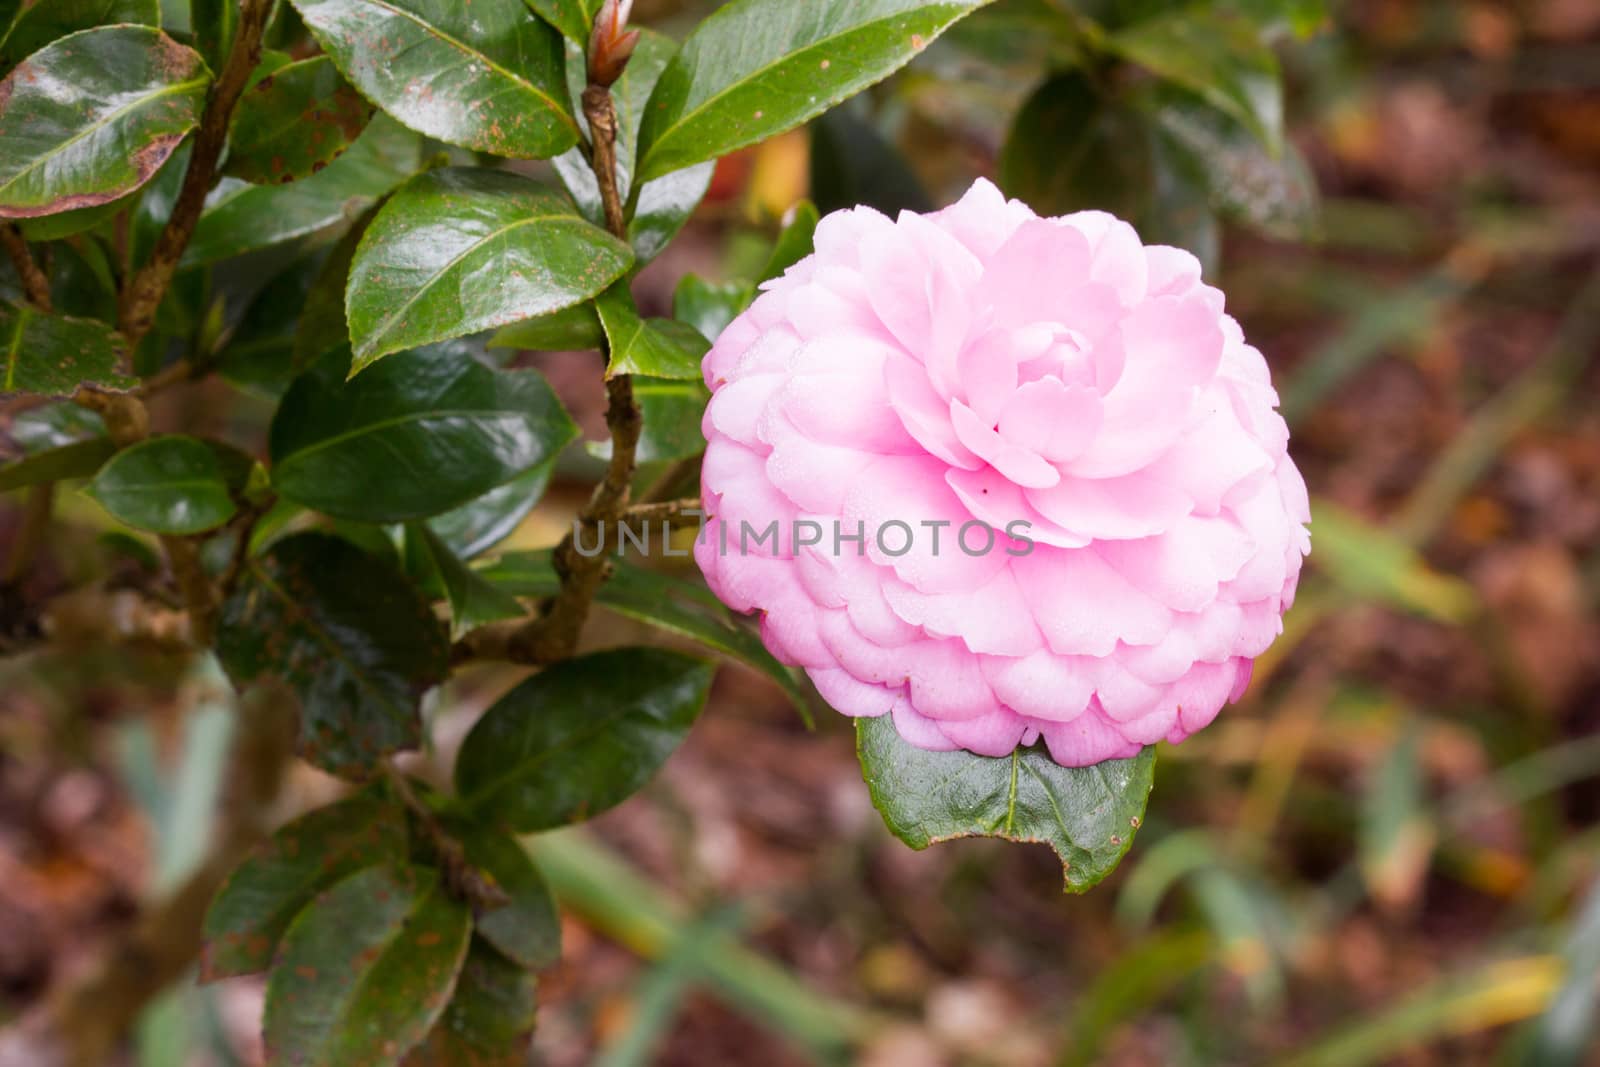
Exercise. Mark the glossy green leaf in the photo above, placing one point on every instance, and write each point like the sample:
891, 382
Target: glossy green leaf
54, 425
51, 355
349, 636
1216, 153
656, 348
41, 21
682, 607
756, 68
579, 737
490, 1018
662, 206
527, 929
93, 116
166, 485
1088, 815
79, 459
572, 329
1218, 57
852, 164
462, 250
795, 240
482, 75
710, 306
474, 602
478, 526
672, 414
274, 883
241, 217
366, 970
294, 122
420, 434
574, 18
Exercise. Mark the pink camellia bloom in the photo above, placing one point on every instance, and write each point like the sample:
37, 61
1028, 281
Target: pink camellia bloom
1028, 480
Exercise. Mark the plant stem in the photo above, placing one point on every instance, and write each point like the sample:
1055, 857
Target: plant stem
553, 635
34, 282
148, 286
465, 881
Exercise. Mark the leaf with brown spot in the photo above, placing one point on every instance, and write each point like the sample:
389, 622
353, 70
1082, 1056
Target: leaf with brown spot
51, 355
490, 1017
485, 75
266, 891
354, 984
350, 636
294, 123
93, 116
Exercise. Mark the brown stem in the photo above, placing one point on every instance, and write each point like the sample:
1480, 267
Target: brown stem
464, 880
34, 282
601, 112
147, 287
553, 635
35, 524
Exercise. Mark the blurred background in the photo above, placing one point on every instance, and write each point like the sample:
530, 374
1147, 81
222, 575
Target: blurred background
1388, 853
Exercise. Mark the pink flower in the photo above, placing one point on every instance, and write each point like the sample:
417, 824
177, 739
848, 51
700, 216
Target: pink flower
1053, 382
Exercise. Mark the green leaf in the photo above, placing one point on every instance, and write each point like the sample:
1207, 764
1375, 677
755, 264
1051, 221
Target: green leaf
656, 348
474, 602
93, 116
795, 240
294, 122
1088, 815
461, 250
285, 873
321, 327
77, 460
526, 930
482, 75
756, 68
579, 737
660, 207
366, 970
664, 206
710, 306
574, 18
1274, 194
1219, 57
672, 414
686, 608
490, 1018
573, 329
259, 354
166, 485
478, 526
41, 21
51, 355
420, 434
241, 217
54, 425
214, 24
1069, 150
852, 164
67, 223
348, 634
